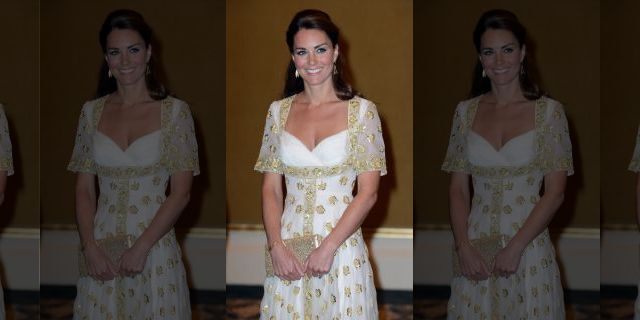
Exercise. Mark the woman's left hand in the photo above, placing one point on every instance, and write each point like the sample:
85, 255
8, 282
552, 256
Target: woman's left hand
132, 261
507, 261
319, 261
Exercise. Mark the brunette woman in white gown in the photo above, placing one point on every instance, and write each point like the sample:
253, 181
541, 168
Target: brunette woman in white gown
136, 140
510, 140
635, 167
322, 138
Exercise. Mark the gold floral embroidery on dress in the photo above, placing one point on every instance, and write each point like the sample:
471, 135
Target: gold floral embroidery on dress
179, 149
366, 146
553, 145
309, 202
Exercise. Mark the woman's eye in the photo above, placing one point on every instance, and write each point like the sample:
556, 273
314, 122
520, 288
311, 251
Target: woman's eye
113, 52
134, 50
300, 52
487, 52
508, 50
321, 50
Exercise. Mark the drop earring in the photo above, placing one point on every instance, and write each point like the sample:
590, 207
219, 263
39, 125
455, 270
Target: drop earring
109, 73
335, 69
484, 74
297, 74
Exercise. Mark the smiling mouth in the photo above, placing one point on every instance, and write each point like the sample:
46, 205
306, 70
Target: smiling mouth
313, 71
127, 71
500, 71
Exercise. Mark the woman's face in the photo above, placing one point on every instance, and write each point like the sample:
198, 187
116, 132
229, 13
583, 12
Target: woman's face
501, 56
313, 56
127, 56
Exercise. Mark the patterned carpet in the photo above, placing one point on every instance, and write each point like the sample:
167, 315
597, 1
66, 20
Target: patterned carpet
56, 303
617, 301
437, 309
611, 304
249, 309
431, 303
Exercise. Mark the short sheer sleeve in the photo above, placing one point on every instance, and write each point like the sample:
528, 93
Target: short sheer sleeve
369, 149
269, 157
456, 159
182, 152
635, 161
82, 159
556, 148
6, 159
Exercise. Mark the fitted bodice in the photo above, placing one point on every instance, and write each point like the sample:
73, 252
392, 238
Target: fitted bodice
319, 200
144, 151
133, 182
319, 182
507, 181
329, 152
516, 152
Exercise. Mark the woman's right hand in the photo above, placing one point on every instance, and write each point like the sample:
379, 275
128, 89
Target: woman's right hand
99, 266
472, 266
285, 265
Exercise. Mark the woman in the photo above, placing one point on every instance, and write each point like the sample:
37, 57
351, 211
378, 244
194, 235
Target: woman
321, 137
137, 140
511, 139
6, 169
635, 167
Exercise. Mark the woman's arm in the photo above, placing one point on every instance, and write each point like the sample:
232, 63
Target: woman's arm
320, 260
133, 260
471, 262
459, 207
85, 207
508, 259
99, 266
285, 264
272, 200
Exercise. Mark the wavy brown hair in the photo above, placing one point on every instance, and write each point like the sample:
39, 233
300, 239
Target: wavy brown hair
319, 20
503, 20
131, 20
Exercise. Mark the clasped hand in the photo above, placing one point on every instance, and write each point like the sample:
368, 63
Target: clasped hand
100, 266
286, 266
473, 266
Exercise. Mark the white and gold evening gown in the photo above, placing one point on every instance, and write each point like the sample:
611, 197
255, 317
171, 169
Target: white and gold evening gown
132, 185
319, 185
506, 187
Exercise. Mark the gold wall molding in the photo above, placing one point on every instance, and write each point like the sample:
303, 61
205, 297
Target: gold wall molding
569, 232
620, 226
389, 233
23, 233
213, 233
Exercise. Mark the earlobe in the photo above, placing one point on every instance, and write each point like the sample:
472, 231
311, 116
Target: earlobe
149, 50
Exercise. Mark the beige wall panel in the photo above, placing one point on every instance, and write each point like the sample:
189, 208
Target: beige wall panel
620, 113
19, 80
